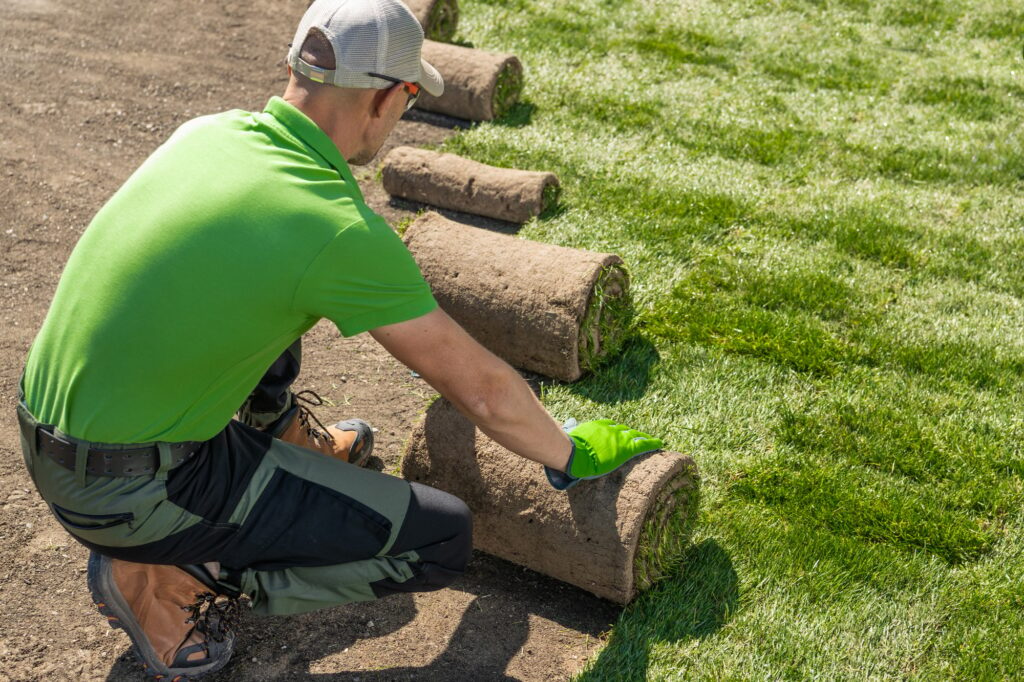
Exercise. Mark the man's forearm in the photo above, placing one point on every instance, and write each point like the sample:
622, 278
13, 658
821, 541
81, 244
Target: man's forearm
482, 386
515, 418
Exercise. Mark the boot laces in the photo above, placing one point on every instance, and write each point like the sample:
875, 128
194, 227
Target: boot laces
305, 415
213, 615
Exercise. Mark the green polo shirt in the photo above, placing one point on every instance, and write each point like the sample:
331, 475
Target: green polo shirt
236, 236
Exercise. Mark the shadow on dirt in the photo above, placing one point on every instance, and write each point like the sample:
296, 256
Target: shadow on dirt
465, 218
439, 120
492, 630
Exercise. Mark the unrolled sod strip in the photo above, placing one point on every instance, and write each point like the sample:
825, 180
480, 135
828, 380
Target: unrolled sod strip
439, 18
478, 85
614, 536
450, 181
547, 309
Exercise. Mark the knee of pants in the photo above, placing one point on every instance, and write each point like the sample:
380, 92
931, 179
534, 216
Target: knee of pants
439, 526
463, 539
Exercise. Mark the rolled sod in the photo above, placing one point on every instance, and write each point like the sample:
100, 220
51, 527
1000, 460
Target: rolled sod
547, 309
450, 181
478, 85
439, 18
614, 536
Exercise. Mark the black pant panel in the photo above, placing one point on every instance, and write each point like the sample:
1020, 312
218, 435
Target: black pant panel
211, 483
439, 526
297, 522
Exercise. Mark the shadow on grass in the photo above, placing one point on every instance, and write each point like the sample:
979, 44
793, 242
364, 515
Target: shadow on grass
553, 211
624, 378
694, 604
518, 116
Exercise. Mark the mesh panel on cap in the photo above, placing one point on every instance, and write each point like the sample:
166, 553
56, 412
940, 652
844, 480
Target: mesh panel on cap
355, 40
405, 39
378, 36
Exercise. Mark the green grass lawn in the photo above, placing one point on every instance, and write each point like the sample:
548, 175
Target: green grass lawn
821, 205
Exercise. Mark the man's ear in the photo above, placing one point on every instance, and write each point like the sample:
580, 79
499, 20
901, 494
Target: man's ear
382, 99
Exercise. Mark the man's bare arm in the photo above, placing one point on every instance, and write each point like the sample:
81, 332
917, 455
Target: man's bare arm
482, 386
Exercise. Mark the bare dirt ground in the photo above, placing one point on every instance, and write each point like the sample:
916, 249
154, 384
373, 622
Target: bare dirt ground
89, 90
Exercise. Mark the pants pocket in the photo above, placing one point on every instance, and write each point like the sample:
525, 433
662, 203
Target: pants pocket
77, 521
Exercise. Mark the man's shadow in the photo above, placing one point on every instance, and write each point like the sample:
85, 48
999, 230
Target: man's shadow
493, 628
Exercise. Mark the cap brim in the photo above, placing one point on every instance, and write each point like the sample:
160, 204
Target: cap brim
430, 79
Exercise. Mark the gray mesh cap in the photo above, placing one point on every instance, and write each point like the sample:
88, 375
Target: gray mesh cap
368, 36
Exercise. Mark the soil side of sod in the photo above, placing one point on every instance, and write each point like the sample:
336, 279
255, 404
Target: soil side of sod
81, 109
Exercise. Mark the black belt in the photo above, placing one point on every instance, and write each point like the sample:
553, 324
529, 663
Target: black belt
141, 461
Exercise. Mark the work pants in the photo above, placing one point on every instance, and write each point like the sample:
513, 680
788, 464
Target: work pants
294, 529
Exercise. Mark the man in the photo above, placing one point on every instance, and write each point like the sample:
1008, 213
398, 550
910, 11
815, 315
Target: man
204, 270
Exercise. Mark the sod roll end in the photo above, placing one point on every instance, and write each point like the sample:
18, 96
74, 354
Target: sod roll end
450, 181
547, 309
478, 85
614, 536
439, 18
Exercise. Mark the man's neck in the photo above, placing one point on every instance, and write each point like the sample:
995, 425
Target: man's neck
334, 113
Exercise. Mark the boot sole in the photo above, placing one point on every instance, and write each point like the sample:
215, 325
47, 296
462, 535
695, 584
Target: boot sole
115, 609
363, 441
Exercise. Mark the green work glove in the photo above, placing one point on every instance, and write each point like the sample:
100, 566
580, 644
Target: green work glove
599, 448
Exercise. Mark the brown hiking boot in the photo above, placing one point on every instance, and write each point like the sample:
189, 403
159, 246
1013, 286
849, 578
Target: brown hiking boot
350, 441
180, 629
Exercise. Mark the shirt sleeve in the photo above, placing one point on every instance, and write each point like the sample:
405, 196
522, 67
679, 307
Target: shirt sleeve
364, 278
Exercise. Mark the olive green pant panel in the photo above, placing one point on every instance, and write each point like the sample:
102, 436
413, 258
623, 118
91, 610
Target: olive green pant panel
386, 495
140, 501
261, 420
300, 590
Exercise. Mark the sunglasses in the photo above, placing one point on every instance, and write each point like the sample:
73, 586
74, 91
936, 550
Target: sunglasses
413, 89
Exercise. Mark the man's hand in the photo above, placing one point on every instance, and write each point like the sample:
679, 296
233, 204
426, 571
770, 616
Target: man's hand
494, 396
599, 448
